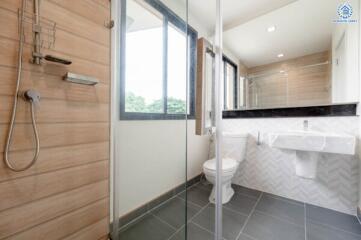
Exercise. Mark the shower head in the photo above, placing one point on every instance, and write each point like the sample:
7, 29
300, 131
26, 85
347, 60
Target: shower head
51, 58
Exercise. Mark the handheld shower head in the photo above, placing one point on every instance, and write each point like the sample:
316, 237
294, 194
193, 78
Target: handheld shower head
51, 58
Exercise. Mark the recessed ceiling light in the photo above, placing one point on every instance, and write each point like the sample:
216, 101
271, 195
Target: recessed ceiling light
280, 55
271, 29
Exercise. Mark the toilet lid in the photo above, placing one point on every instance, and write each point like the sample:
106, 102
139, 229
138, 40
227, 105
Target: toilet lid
228, 164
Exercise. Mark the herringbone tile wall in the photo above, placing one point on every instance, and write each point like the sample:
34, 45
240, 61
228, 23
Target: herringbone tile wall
272, 170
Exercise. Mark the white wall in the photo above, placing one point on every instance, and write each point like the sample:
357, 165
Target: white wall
152, 159
345, 86
272, 170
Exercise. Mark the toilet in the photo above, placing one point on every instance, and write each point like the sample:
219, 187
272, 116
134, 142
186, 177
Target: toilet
233, 153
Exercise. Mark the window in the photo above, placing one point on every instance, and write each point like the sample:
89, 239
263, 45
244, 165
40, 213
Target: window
230, 84
154, 80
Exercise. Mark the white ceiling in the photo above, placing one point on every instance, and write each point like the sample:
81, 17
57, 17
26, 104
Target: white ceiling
235, 12
138, 18
302, 27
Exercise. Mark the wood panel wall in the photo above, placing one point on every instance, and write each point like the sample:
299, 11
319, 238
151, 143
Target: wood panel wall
66, 194
298, 86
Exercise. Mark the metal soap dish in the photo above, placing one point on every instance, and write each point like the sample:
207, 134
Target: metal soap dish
80, 79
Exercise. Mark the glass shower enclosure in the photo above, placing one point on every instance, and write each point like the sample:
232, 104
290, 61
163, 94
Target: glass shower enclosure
156, 156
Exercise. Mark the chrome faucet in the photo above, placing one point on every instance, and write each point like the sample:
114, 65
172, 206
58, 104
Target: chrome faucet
305, 125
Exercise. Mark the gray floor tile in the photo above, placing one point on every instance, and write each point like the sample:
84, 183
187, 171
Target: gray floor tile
244, 237
246, 191
193, 233
173, 212
284, 199
265, 227
317, 231
332, 218
148, 228
232, 221
206, 185
283, 209
241, 203
197, 195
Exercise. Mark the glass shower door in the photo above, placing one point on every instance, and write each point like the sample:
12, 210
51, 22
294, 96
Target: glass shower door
153, 103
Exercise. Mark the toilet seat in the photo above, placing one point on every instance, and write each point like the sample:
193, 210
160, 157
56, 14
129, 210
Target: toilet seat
228, 165
229, 168
233, 153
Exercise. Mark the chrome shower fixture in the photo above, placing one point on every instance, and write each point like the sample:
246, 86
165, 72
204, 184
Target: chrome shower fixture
43, 34
80, 79
37, 29
32, 96
51, 58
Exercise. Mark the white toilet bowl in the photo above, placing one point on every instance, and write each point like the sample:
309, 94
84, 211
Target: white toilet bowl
229, 168
233, 152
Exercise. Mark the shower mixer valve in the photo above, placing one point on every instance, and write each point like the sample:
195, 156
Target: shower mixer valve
32, 96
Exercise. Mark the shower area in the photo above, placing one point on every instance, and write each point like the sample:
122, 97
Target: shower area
54, 124
157, 154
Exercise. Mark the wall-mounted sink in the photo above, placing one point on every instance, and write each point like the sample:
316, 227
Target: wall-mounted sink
308, 145
312, 141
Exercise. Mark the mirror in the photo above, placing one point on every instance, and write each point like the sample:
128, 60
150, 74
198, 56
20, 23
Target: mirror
287, 53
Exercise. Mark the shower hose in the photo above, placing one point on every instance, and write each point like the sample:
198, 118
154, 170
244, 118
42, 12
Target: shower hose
13, 115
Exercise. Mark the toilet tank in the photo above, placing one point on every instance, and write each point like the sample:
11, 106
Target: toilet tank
234, 145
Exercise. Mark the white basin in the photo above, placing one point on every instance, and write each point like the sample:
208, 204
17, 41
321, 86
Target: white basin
308, 144
312, 141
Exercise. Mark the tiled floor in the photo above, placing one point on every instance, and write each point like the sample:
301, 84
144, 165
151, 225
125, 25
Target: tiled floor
250, 215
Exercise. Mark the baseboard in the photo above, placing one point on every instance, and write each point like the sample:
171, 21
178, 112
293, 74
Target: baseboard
145, 208
358, 215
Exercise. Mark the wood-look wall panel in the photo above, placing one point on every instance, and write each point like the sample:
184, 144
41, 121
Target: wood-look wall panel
65, 19
104, 3
8, 49
95, 231
106, 237
52, 87
11, 28
54, 111
66, 193
87, 9
66, 42
16, 220
76, 24
8, 4
55, 135
52, 159
93, 215
24, 190
72, 45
